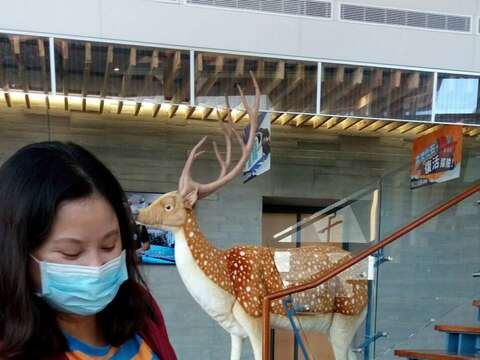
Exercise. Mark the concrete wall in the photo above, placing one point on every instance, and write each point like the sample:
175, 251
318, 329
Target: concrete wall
157, 22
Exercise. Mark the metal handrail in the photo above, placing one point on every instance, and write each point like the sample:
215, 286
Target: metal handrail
354, 260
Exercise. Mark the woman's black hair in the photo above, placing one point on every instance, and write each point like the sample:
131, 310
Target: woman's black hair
33, 182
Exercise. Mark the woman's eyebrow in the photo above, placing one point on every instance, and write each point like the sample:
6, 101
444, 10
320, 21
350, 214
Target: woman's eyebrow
69, 239
111, 232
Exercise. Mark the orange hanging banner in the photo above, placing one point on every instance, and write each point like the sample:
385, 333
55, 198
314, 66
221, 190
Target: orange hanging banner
437, 156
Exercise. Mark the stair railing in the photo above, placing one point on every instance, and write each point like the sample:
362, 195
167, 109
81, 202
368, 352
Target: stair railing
354, 260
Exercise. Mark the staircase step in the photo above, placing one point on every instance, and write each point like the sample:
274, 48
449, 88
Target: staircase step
460, 329
476, 303
434, 355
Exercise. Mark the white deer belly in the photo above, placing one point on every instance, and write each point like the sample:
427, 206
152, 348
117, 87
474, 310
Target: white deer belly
212, 298
315, 322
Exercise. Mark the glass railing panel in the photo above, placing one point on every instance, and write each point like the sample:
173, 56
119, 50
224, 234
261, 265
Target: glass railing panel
444, 251
350, 224
429, 281
400, 204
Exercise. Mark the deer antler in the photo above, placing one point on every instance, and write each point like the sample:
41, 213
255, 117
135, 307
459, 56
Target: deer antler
187, 184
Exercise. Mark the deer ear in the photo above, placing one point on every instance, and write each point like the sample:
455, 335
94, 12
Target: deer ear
190, 199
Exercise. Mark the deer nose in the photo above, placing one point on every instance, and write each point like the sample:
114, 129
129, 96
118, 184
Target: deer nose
145, 217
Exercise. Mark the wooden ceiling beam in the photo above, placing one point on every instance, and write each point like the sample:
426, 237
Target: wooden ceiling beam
27, 101
339, 74
19, 62
363, 124
357, 76
206, 113
349, 122
155, 110
318, 121
413, 81
428, 127
285, 119
43, 65
396, 79
278, 77
381, 125
377, 78
171, 74
275, 117
198, 66
393, 126
154, 64
338, 121
87, 64
417, 128
240, 117
240, 67
189, 112
65, 67
119, 107
8, 100
302, 119
108, 69
260, 69
132, 63
138, 106
331, 122
172, 111
473, 132
405, 127
206, 85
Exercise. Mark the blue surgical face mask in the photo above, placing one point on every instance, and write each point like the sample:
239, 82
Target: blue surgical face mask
81, 290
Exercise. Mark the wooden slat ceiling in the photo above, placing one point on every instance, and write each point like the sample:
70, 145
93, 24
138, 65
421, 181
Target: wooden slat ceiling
39, 103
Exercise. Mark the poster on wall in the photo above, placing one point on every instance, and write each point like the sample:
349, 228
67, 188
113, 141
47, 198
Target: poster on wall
437, 156
154, 245
259, 161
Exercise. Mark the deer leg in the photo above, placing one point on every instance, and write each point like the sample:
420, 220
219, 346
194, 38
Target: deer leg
341, 334
236, 350
253, 328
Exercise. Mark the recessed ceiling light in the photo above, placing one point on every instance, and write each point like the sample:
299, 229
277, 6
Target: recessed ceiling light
116, 69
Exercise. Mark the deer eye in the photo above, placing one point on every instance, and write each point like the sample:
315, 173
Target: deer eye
168, 207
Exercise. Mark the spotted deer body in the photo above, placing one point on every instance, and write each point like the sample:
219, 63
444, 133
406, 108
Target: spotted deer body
231, 284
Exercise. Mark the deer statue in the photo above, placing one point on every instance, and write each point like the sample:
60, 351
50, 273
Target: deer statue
230, 284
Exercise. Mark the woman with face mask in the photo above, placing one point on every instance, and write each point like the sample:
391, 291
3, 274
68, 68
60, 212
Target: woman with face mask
69, 283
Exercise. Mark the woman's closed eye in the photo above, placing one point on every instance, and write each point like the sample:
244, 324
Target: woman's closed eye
109, 248
70, 255
111, 243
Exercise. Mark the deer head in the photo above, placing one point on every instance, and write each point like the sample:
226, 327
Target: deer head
170, 209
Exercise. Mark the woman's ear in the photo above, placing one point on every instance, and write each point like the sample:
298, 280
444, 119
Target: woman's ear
190, 199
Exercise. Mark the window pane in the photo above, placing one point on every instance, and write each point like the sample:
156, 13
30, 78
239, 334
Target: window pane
285, 85
24, 63
457, 99
352, 90
113, 70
